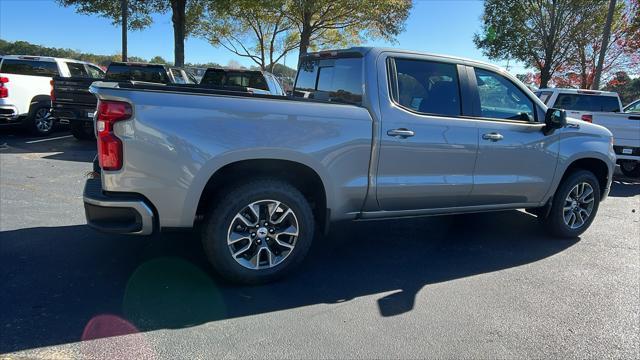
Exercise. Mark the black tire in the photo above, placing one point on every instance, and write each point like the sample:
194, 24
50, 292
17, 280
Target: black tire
39, 121
82, 131
219, 219
630, 168
555, 222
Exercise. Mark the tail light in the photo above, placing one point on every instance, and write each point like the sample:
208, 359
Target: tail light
109, 146
53, 95
587, 118
4, 91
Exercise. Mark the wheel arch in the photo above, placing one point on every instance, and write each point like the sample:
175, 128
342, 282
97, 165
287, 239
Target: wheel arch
302, 176
39, 99
593, 164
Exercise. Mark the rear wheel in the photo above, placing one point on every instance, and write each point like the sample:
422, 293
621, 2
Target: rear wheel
630, 168
574, 205
39, 121
82, 130
258, 231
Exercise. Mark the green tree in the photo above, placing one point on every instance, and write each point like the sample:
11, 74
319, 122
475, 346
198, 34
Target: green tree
257, 30
539, 33
129, 14
157, 60
323, 23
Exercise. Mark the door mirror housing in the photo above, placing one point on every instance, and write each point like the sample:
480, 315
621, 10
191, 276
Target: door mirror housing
554, 119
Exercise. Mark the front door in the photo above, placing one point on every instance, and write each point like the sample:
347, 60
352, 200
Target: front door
516, 160
427, 150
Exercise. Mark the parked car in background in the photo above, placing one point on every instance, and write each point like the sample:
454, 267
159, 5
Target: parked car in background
603, 108
25, 88
633, 107
256, 82
73, 104
381, 134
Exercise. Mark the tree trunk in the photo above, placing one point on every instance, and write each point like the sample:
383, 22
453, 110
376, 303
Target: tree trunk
305, 38
545, 76
605, 44
178, 8
124, 8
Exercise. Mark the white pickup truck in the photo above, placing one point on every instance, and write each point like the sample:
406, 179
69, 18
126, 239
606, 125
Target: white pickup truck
25, 88
602, 108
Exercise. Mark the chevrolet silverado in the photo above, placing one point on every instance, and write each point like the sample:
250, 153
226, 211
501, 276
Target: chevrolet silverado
375, 134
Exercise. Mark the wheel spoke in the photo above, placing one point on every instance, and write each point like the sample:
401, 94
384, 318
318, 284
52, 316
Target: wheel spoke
242, 251
234, 237
283, 216
291, 230
272, 209
244, 220
586, 194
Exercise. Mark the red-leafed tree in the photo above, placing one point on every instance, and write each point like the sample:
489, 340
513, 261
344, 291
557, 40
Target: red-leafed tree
621, 54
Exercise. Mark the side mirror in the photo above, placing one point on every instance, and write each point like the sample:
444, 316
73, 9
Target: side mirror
554, 119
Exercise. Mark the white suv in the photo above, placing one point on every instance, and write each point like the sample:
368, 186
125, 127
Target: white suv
25, 88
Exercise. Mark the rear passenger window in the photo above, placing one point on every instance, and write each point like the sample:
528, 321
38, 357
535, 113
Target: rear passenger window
77, 70
29, 67
332, 80
427, 87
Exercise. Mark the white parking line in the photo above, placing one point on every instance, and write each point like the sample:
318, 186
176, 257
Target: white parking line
49, 139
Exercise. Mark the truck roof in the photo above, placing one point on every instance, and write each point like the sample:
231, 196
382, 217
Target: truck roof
41, 58
579, 91
361, 51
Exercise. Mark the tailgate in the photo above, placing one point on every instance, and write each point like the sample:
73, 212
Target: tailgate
73, 91
622, 126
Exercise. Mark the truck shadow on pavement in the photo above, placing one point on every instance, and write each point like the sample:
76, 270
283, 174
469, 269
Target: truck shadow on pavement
67, 284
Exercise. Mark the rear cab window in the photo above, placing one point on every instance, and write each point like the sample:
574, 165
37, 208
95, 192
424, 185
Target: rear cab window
29, 67
95, 72
134, 72
585, 102
332, 80
77, 69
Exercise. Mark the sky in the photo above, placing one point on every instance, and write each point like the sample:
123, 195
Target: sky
436, 26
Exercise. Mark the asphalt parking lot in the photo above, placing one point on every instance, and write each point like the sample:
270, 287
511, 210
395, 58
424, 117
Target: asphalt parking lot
472, 286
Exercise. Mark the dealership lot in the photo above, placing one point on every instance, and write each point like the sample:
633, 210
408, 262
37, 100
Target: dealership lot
480, 285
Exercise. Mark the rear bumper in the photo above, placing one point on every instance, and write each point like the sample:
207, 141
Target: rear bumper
8, 113
117, 213
68, 115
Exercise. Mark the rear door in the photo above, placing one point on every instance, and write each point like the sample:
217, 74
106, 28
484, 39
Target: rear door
427, 148
516, 161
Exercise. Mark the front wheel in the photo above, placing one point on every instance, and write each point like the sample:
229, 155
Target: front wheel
258, 231
574, 205
630, 168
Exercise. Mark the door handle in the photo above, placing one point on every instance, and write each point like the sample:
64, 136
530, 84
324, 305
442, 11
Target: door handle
493, 136
402, 133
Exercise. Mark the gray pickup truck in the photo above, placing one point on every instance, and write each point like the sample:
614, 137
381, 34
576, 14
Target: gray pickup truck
369, 133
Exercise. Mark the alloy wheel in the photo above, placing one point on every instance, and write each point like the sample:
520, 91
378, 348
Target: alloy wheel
578, 205
262, 234
43, 120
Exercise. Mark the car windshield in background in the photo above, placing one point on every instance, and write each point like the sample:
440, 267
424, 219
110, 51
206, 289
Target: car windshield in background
581, 102
335, 80
29, 67
119, 72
